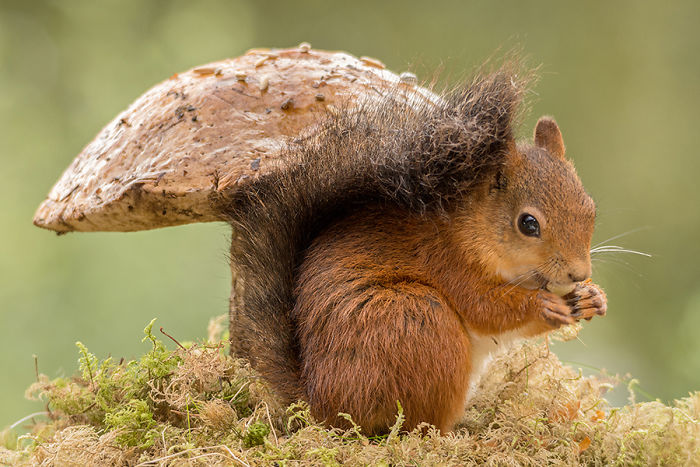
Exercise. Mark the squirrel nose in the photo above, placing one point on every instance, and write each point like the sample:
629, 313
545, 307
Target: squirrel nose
580, 272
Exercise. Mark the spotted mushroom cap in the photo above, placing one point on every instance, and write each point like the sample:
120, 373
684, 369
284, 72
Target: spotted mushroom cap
211, 128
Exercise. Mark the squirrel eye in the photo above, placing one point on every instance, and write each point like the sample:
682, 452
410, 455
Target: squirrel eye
528, 225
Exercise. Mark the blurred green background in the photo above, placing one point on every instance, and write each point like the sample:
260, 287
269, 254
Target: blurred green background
622, 79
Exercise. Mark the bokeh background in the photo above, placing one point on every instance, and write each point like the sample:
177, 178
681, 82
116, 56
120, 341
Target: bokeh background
622, 79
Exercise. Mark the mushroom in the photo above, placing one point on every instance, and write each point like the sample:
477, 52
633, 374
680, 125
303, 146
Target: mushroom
166, 158
209, 129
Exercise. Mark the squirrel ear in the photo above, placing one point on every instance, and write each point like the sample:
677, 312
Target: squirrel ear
548, 136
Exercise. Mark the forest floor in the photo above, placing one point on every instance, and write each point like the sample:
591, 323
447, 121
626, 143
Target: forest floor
196, 405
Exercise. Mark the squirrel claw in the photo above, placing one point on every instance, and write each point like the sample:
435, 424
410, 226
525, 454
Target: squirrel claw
557, 319
586, 301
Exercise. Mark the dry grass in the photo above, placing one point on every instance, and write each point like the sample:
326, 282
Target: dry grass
198, 406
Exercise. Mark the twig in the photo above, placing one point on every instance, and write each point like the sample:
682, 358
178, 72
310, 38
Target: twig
24, 419
272, 427
234, 456
182, 453
172, 338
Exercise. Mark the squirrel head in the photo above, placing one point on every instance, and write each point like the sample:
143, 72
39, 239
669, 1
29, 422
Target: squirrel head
535, 220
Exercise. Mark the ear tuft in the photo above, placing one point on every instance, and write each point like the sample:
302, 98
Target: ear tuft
548, 136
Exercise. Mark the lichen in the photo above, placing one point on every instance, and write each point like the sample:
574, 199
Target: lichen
196, 405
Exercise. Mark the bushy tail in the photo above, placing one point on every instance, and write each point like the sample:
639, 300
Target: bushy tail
420, 157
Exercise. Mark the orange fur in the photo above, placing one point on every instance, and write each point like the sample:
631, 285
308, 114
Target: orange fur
374, 330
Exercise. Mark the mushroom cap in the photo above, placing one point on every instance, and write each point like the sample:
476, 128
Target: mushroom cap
214, 127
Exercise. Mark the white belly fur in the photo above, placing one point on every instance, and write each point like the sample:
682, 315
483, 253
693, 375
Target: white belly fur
484, 348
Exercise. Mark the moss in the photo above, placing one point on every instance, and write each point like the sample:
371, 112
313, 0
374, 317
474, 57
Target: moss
256, 434
196, 405
135, 424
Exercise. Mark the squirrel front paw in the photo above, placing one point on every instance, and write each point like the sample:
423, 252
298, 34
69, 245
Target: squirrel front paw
587, 300
584, 302
555, 310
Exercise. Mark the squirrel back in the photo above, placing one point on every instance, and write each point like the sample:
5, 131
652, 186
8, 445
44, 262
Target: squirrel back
384, 154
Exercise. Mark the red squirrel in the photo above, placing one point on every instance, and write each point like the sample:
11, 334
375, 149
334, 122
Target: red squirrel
399, 247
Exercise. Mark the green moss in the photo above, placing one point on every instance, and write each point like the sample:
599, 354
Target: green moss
195, 404
135, 424
326, 456
256, 434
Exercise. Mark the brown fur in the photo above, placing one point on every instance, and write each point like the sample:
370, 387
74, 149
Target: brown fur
374, 328
368, 263
548, 137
